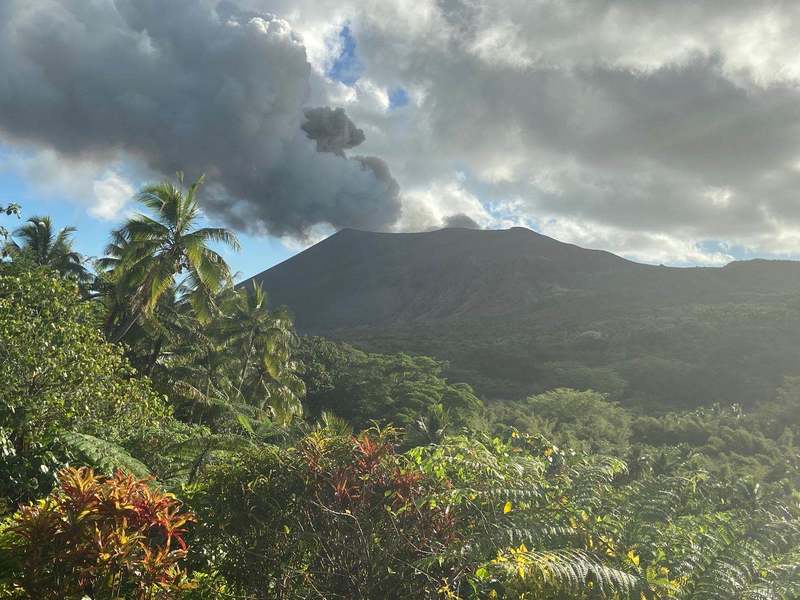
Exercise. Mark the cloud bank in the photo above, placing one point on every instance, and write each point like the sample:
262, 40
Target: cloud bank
649, 128
667, 132
189, 85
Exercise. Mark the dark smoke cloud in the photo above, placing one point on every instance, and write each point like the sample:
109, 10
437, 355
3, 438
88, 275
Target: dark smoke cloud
334, 132
332, 129
461, 220
189, 85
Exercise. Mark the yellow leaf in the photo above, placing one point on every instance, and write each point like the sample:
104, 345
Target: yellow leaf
633, 557
507, 507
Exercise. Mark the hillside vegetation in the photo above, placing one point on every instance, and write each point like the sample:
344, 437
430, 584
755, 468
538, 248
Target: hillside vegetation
515, 313
165, 434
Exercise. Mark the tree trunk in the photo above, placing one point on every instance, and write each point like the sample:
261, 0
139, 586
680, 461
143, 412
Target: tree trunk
154, 355
122, 331
249, 352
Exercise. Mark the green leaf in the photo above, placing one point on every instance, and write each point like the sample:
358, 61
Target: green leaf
103, 455
245, 423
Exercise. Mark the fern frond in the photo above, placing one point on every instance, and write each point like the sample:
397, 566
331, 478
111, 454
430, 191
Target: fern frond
102, 455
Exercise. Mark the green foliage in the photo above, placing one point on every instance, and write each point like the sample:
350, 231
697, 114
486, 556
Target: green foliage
149, 252
177, 453
580, 420
784, 413
399, 389
104, 456
725, 441
343, 516
112, 537
335, 516
652, 350
644, 489
58, 372
36, 243
237, 372
28, 473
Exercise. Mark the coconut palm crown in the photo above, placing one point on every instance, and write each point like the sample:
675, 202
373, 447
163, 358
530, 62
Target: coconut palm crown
151, 251
38, 242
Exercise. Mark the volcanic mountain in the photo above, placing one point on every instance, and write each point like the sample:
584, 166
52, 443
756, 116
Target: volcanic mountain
514, 312
357, 279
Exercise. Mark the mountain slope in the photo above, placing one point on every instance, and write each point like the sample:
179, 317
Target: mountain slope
356, 278
514, 312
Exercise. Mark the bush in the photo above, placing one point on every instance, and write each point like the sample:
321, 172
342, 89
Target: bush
59, 373
102, 537
338, 516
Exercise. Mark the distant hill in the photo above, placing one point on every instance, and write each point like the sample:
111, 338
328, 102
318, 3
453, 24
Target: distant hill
357, 278
515, 311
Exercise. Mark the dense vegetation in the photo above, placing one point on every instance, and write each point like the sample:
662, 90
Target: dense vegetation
661, 354
165, 434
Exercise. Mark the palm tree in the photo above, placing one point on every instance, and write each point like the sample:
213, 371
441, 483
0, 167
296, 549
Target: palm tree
265, 340
150, 252
39, 243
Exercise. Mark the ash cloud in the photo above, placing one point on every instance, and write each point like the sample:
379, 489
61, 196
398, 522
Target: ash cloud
332, 130
461, 221
189, 85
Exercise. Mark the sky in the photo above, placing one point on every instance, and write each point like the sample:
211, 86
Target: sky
666, 132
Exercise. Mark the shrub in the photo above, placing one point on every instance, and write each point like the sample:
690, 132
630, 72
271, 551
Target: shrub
58, 373
102, 537
338, 516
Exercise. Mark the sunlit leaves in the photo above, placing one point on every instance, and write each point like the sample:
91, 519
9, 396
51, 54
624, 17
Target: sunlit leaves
111, 537
58, 372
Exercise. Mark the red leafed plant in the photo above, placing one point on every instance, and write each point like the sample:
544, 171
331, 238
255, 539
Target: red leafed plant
376, 524
102, 537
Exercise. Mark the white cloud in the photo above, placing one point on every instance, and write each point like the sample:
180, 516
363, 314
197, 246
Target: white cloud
111, 195
643, 246
431, 205
100, 187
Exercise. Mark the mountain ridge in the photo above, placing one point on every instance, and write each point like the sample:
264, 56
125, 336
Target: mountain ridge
358, 278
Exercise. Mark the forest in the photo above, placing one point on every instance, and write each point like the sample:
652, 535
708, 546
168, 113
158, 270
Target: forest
165, 433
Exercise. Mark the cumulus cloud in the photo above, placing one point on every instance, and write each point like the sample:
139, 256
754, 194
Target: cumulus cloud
112, 192
104, 189
646, 123
440, 204
193, 85
666, 131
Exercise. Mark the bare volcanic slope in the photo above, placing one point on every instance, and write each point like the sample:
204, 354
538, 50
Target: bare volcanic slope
357, 279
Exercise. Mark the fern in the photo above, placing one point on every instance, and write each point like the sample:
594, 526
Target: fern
103, 455
562, 572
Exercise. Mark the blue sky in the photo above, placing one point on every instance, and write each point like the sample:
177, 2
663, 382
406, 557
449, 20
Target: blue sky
257, 254
347, 68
